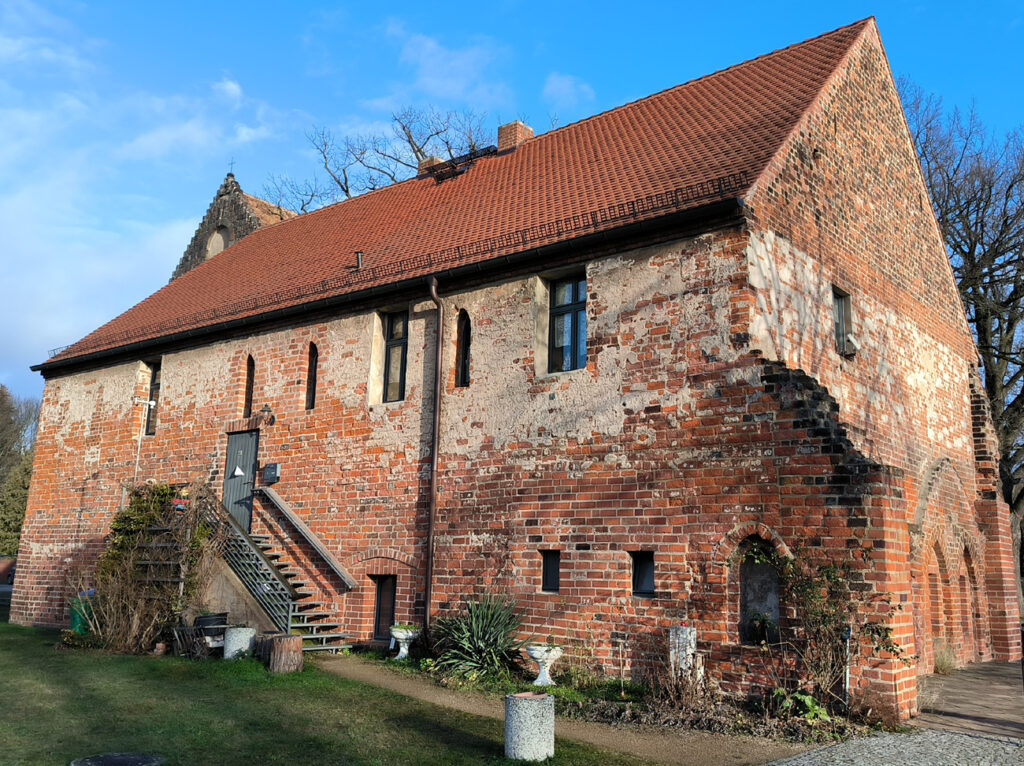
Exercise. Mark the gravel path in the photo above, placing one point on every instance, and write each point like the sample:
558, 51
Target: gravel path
676, 747
919, 748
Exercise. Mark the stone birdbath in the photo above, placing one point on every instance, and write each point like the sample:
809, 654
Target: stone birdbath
544, 655
404, 635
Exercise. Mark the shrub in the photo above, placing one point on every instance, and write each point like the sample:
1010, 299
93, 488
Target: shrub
945, 660
481, 641
156, 559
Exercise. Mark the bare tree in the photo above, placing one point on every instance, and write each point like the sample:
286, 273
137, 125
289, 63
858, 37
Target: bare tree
976, 182
18, 417
355, 164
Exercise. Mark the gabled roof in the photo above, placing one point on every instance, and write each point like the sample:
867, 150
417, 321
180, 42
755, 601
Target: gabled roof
681, 148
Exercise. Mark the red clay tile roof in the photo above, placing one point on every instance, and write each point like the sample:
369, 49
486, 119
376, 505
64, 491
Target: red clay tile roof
641, 160
268, 212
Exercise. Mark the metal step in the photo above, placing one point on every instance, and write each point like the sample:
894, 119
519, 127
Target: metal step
309, 614
313, 626
305, 607
326, 647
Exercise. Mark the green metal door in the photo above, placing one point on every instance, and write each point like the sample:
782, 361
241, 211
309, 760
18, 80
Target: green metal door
240, 476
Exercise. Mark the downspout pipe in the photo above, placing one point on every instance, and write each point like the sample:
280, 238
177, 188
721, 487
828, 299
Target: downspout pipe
435, 439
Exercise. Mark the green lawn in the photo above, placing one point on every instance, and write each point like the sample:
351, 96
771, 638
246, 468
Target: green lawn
63, 704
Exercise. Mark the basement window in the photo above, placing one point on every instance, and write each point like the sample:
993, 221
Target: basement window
567, 326
842, 322
551, 571
311, 372
396, 341
643, 573
153, 402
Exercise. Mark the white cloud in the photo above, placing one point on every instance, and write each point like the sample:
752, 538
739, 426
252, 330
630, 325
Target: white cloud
230, 90
195, 134
565, 91
39, 51
453, 74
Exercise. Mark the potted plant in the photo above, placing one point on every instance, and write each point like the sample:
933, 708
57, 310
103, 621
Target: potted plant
404, 635
545, 656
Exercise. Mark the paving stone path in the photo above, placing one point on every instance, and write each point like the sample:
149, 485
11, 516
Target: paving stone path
930, 748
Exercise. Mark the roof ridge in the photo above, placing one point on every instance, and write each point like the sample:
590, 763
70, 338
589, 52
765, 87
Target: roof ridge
707, 76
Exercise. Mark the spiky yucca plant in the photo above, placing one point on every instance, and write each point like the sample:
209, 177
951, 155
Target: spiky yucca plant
480, 641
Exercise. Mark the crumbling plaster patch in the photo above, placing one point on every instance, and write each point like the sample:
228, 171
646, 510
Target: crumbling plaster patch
87, 397
900, 374
643, 292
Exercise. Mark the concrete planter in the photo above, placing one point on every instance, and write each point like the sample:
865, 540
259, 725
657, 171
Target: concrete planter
529, 726
238, 642
404, 637
544, 655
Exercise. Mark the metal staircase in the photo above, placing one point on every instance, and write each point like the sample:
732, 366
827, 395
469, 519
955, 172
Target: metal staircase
276, 586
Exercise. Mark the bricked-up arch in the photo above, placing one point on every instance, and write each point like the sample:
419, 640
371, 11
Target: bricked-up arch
941, 481
975, 624
384, 553
946, 553
375, 562
728, 561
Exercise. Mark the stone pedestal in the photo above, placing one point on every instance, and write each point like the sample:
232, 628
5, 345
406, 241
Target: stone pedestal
682, 649
238, 642
529, 726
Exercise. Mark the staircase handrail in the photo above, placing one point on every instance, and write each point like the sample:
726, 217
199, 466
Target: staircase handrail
255, 548
308, 534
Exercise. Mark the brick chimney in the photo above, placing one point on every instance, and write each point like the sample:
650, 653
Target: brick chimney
512, 134
427, 163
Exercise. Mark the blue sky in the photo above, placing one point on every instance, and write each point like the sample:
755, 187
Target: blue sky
119, 120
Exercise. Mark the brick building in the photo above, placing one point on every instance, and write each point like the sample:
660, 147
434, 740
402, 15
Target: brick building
718, 315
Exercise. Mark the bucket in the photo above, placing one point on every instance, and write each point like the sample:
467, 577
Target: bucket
81, 611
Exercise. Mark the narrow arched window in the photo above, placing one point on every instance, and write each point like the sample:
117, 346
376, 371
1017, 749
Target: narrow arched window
759, 593
250, 377
463, 336
314, 360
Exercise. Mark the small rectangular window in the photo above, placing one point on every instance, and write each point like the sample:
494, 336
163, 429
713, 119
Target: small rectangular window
551, 573
567, 333
154, 398
643, 573
841, 321
395, 344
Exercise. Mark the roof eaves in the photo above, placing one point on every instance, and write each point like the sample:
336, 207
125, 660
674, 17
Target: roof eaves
707, 215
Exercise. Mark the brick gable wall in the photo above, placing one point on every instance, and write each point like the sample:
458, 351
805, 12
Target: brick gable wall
845, 205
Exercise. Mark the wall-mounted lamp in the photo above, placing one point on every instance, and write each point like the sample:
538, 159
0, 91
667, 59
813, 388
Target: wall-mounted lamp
266, 415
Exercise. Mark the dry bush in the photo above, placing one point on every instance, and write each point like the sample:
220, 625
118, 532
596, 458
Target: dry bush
158, 557
945, 660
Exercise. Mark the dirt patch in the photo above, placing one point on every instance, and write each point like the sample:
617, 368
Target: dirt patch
676, 747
